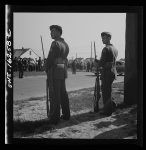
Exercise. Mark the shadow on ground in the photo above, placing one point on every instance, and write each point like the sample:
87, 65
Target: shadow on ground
79, 100
126, 124
91, 75
29, 127
128, 120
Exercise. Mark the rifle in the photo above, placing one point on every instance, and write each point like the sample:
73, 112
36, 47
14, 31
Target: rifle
47, 100
97, 95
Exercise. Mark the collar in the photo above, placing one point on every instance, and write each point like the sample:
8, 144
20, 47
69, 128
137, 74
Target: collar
59, 39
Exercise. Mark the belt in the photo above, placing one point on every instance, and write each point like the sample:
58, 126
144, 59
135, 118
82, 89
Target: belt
60, 61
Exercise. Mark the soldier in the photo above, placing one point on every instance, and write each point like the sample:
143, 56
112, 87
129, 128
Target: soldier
108, 74
88, 66
20, 68
39, 64
57, 61
74, 67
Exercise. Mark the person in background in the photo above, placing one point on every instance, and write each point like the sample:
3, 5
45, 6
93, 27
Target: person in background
39, 64
20, 68
74, 67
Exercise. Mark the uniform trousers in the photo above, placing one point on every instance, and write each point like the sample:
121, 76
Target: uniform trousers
106, 87
59, 98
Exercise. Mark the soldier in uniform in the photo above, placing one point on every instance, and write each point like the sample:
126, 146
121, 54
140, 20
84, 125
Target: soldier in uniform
57, 62
20, 67
107, 64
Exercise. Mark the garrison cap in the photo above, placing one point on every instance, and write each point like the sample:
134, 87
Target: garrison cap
107, 34
59, 28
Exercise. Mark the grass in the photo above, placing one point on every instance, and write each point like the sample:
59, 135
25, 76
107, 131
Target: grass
79, 100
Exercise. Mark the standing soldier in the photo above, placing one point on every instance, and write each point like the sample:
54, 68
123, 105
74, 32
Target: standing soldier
57, 61
88, 66
74, 67
108, 74
20, 67
39, 64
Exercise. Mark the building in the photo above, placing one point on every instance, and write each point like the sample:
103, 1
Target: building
25, 53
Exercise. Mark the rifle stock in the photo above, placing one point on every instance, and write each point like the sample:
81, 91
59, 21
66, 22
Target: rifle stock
47, 93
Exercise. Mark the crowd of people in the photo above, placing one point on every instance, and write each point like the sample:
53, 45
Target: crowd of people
27, 64
87, 66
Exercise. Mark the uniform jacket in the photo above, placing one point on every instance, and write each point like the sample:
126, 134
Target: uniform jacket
57, 59
108, 60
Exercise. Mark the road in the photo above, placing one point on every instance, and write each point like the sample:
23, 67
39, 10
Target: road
35, 86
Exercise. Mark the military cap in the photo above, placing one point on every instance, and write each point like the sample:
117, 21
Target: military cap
59, 28
107, 34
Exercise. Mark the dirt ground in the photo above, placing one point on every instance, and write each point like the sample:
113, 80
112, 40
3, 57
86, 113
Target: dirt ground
30, 120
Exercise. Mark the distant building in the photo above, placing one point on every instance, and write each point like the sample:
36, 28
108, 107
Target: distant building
19, 52
25, 53
89, 60
78, 60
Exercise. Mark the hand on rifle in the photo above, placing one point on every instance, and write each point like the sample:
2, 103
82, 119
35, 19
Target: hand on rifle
97, 63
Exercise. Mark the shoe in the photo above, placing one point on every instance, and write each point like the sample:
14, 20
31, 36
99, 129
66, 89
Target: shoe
96, 109
53, 122
64, 118
105, 114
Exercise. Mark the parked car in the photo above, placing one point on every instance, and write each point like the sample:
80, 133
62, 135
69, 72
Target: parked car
120, 66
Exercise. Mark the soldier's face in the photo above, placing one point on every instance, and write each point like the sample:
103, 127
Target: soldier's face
54, 33
105, 39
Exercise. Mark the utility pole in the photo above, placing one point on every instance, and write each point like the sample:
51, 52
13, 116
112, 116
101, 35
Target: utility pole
91, 49
42, 48
95, 50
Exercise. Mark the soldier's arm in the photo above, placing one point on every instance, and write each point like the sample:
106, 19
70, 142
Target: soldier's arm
51, 56
66, 54
102, 60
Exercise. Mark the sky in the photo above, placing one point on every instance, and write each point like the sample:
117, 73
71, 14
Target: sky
79, 30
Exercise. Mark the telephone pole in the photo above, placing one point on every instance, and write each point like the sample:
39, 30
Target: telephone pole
91, 49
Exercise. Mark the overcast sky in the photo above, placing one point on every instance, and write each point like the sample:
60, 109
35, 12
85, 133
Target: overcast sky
79, 29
